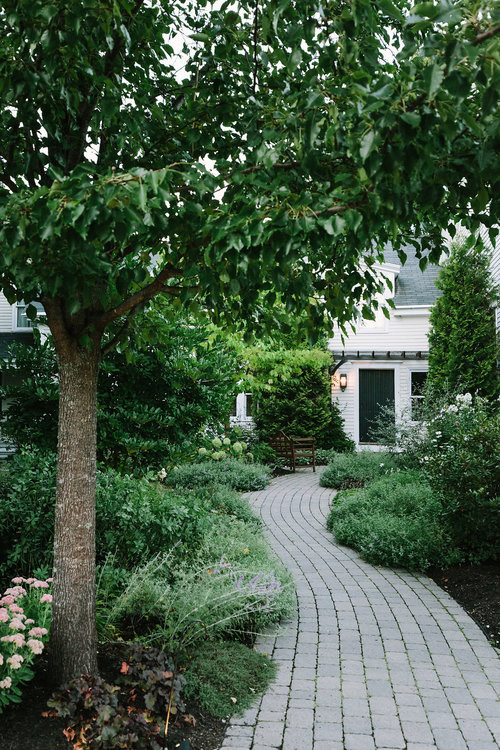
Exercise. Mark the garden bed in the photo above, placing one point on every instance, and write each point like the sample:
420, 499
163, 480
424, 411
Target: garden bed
477, 589
22, 726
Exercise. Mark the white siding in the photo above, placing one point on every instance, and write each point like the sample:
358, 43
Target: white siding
5, 314
407, 330
348, 400
495, 272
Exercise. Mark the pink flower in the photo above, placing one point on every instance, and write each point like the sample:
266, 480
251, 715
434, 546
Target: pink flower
29, 622
17, 639
16, 608
18, 580
29, 580
46, 598
15, 591
4, 615
6, 683
38, 632
49, 580
9, 599
35, 646
1, 660
17, 624
15, 661
40, 585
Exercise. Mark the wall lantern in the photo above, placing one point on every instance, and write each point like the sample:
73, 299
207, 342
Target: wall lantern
343, 382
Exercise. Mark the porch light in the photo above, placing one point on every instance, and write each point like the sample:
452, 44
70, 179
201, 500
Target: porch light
343, 382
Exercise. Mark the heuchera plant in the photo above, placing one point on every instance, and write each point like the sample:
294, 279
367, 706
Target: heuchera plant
131, 714
24, 621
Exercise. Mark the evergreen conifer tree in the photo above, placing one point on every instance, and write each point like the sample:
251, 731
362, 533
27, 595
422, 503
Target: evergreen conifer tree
462, 342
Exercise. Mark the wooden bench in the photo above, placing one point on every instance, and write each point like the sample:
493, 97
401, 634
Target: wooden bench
292, 448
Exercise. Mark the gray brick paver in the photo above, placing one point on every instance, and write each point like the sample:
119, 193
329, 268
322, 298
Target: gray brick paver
374, 659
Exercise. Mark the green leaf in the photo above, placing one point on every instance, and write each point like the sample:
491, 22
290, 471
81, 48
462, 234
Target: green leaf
368, 143
200, 37
31, 312
412, 118
294, 60
433, 77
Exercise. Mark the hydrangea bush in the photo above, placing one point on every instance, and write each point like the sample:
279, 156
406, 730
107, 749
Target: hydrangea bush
25, 611
459, 453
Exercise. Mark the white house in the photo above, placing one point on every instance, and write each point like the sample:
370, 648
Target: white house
385, 361
14, 327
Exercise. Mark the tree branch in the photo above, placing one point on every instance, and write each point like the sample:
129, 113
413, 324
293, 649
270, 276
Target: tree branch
116, 338
89, 105
143, 295
488, 34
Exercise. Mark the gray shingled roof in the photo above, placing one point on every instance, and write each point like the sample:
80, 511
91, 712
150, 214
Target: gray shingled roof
413, 286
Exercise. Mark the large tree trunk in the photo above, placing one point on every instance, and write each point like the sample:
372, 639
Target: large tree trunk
73, 637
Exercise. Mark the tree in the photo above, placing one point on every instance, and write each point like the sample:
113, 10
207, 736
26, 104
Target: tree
462, 340
292, 392
221, 155
174, 379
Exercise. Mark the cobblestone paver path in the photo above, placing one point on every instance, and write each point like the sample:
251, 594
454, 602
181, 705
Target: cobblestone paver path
375, 658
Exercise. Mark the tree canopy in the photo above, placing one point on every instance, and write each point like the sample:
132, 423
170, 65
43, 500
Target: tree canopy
256, 147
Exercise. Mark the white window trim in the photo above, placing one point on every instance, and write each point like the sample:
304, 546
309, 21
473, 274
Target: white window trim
241, 409
20, 329
417, 368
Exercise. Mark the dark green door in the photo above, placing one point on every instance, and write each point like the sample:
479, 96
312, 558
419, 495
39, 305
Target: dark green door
376, 389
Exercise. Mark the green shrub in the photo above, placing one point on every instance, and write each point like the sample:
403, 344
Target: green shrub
27, 495
136, 518
223, 500
230, 472
325, 456
224, 677
292, 391
175, 379
460, 456
234, 585
354, 469
394, 521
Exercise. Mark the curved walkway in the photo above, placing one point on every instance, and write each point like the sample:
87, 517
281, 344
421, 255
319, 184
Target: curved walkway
375, 658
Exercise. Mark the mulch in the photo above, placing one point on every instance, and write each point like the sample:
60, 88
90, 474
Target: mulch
477, 589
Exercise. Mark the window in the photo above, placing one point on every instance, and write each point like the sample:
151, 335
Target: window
21, 320
418, 380
248, 405
242, 408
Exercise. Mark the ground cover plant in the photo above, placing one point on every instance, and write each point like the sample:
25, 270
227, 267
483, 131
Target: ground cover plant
226, 676
394, 521
355, 469
441, 504
228, 472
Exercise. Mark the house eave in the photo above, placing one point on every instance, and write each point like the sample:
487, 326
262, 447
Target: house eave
379, 355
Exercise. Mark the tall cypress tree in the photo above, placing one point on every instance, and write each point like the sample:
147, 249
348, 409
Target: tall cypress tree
462, 342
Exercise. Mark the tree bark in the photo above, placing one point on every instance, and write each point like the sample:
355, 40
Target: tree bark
73, 635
